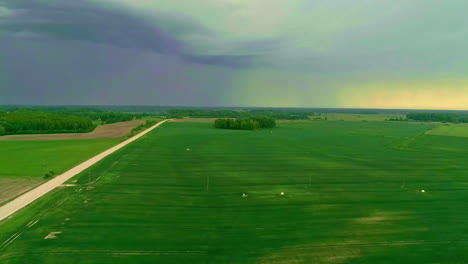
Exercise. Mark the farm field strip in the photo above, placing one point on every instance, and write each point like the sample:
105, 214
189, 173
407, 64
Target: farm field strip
11, 187
459, 130
32, 159
29, 197
359, 117
115, 130
349, 198
28, 161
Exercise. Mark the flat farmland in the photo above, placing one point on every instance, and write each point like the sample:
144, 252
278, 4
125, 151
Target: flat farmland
360, 117
352, 195
35, 158
458, 130
24, 163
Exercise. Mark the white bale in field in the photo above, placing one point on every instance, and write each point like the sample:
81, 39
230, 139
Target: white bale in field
281, 193
188, 149
244, 195
422, 191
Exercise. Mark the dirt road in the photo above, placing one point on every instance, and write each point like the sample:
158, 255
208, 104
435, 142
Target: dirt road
10, 208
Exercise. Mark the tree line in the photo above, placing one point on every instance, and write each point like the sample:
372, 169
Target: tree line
439, 117
33, 122
276, 114
106, 117
250, 123
139, 128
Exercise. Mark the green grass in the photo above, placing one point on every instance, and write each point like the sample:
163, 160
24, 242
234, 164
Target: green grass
35, 158
359, 117
352, 196
451, 130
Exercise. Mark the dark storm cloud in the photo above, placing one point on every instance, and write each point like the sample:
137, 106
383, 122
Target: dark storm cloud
51, 71
78, 21
234, 61
243, 54
264, 46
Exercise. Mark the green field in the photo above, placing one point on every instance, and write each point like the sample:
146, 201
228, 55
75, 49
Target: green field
35, 158
451, 130
24, 163
352, 195
359, 117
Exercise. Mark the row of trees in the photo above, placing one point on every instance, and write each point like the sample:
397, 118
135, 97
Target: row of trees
33, 122
438, 117
396, 119
107, 117
138, 129
276, 114
180, 113
112, 117
285, 114
250, 123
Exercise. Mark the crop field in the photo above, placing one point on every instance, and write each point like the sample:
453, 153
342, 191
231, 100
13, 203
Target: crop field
359, 117
35, 158
460, 130
353, 193
25, 163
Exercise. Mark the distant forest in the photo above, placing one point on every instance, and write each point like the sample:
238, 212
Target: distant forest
107, 117
210, 112
250, 123
438, 117
43, 120
34, 122
275, 114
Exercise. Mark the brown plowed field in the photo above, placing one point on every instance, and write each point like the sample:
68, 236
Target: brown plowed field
12, 187
101, 132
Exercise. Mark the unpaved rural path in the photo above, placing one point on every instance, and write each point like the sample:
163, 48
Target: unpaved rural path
10, 208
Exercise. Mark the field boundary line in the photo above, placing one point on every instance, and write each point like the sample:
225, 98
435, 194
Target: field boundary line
223, 251
405, 143
27, 198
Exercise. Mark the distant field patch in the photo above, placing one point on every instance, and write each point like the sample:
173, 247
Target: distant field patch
451, 130
359, 117
115, 130
198, 120
35, 158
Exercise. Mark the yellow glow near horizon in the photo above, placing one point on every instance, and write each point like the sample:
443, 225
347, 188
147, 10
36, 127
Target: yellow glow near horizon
407, 95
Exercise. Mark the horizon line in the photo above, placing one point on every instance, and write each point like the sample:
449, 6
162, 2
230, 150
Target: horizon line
198, 106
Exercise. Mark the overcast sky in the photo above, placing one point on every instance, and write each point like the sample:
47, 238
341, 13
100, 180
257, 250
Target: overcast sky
294, 53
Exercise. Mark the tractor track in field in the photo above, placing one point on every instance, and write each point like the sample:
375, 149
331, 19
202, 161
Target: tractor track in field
16, 235
8, 209
404, 144
223, 251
